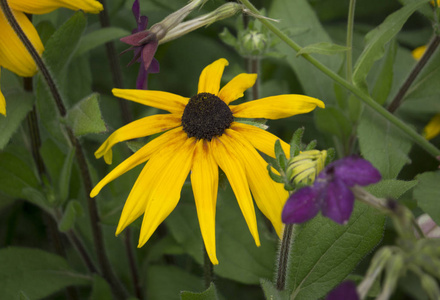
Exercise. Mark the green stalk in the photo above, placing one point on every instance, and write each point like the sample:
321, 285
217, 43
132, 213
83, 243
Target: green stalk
349, 42
417, 138
283, 257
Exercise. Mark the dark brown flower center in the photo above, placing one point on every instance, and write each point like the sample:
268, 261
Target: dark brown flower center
206, 116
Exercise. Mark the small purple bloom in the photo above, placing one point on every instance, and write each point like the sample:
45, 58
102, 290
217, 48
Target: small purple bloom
346, 291
144, 44
331, 192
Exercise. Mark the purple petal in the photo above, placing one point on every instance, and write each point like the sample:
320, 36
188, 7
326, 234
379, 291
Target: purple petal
338, 201
136, 10
154, 67
148, 51
141, 81
346, 291
301, 206
135, 39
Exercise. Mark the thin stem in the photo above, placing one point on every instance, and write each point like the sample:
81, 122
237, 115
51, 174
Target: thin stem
208, 268
349, 42
398, 99
417, 138
132, 263
87, 182
115, 67
283, 257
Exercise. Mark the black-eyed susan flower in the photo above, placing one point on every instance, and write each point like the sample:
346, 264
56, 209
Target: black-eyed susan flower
13, 54
201, 134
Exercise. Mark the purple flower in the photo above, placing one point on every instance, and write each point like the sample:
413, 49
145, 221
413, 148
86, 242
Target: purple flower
346, 291
144, 44
331, 192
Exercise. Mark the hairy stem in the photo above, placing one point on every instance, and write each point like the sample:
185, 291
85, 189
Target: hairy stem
208, 268
132, 263
417, 138
283, 257
398, 99
85, 174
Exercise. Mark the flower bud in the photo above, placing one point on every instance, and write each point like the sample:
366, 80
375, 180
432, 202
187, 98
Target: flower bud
304, 167
254, 43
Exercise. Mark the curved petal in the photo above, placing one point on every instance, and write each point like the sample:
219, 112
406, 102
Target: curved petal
13, 54
338, 201
173, 136
276, 107
433, 128
301, 206
164, 189
136, 129
261, 139
204, 181
236, 175
45, 6
269, 195
209, 81
235, 88
167, 101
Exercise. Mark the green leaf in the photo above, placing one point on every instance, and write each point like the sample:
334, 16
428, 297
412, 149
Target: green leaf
296, 15
325, 48
85, 117
65, 175
72, 212
209, 294
18, 105
239, 258
323, 252
100, 289
35, 273
377, 39
384, 145
427, 194
166, 282
100, 37
227, 37
391, 188
271, 292
332, 120
384, 80
15, 175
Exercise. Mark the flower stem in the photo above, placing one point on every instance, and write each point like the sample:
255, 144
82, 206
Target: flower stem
208, 268
115, 67
417, 138
349, 41
87, 182
132, 263
283, 257
398, 99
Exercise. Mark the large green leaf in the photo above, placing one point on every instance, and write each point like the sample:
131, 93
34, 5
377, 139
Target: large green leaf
427, 194
385, 146
100, 37
239, 258
35, 273
378, 38
209, 294
324, 253
18, 104
85, 117
295, 15
271, 292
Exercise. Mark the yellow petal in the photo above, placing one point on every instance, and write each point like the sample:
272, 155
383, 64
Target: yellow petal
228, 162
139, 128
276, 107
209, 81
234, 89
13, 54
142, 155
261, 139
45, 6
433, 128
204, 181
418, 52
164, 189
269, 195
167, 101
2, 103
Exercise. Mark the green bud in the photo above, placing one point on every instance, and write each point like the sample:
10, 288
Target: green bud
253, 43
304, 167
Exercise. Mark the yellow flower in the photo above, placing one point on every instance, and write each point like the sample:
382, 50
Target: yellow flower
201, 135
13, 54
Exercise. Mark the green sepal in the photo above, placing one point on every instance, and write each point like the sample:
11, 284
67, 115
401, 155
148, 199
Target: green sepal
65, 176
331, 153
311, 145
275, 177
209, 294
280, 155
85, 117
73, 210
295, 142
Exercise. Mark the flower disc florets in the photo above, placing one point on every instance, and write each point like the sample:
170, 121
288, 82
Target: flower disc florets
206, 116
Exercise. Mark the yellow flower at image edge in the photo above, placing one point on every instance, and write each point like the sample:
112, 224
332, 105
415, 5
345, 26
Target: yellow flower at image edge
13, 54
201, 135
